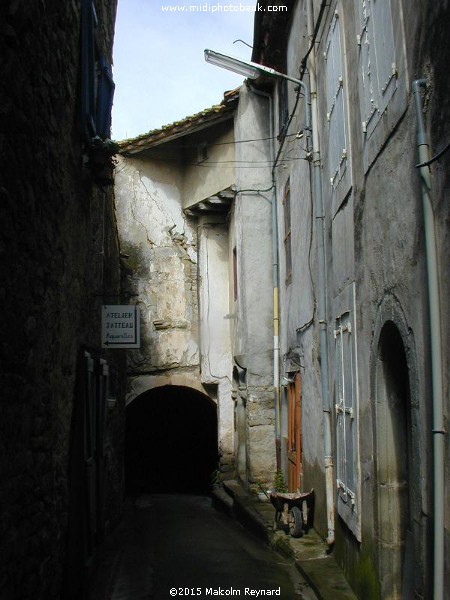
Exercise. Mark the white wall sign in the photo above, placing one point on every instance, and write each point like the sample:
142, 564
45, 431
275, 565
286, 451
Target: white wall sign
121, 327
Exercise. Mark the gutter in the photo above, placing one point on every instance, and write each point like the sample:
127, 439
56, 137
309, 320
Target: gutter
435, 343
322, 283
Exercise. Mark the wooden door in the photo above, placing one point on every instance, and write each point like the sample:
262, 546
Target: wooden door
294, 435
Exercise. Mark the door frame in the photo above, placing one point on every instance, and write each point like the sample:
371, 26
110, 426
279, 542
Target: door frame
294, 441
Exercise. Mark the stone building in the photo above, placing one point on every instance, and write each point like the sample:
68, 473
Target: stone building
363, 245
61, 435
191, 235
310, 230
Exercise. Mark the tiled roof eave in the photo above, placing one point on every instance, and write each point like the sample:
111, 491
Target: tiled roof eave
179, 129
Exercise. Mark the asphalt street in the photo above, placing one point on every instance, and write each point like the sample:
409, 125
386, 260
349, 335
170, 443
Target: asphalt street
174, 545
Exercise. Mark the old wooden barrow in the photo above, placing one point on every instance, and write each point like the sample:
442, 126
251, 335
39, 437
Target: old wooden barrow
295, 510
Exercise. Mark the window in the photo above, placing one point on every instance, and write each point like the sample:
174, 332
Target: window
383, 95
378, 69
97, 86
346, 405
339, 167
202, 152
287, 230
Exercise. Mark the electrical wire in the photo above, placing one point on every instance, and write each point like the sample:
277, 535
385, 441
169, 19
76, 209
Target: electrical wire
291, 116
205, 231
252, 164
261, 164
314, 36
434, 158
242, 42
302, 73
233, 143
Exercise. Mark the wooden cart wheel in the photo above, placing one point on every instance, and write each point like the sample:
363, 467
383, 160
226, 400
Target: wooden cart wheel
295, 522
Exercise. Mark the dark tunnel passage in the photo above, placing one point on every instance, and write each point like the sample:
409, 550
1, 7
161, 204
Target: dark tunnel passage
171, 441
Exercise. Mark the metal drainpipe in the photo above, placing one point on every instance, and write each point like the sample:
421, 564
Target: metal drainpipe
436, 349
275, 274
322, 291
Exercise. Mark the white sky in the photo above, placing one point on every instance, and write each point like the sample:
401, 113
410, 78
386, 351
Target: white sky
159, 69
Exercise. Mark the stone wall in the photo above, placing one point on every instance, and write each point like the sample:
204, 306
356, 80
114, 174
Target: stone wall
176, 268
161, 265
59, 256
376, 281
252, 324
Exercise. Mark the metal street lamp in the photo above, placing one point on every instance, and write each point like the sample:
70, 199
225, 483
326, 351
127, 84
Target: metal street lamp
244, 67
253, 71
247, 69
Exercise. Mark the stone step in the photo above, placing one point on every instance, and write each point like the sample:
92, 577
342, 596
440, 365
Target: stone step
309, 553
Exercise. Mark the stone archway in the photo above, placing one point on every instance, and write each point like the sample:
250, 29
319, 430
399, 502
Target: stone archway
393, 438
171, 441
401, 447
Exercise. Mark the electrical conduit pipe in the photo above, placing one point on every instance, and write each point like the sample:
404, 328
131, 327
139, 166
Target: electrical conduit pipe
436, 348
322, 291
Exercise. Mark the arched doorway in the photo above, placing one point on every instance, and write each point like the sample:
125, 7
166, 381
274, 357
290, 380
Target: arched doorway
171, 441
393, 458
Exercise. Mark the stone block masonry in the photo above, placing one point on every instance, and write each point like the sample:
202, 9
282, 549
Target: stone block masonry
59, 256
161, 268
260, 434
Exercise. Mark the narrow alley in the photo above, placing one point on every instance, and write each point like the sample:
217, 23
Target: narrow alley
172, 545
224, 361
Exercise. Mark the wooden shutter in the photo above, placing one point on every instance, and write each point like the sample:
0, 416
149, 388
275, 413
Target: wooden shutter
337, 149
287, 231
345, 409
378, 69
90, 448
347, 471
104, 99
